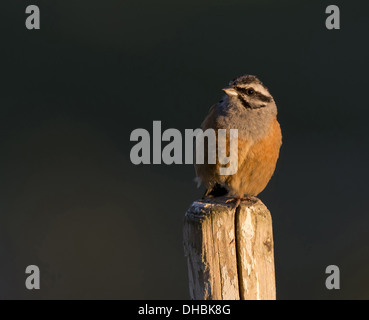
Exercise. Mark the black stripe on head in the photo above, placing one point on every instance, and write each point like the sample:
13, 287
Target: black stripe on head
261, 97
246, 79
256, 94
244, 102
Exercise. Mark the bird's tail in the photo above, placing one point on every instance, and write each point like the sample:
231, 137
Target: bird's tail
216, 191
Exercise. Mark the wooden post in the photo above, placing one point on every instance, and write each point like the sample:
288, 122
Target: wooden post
229, 250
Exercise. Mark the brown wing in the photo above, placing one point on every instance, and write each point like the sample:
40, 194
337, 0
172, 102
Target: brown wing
211, 119
207, 172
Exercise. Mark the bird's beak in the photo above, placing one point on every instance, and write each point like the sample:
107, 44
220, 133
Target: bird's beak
230, 91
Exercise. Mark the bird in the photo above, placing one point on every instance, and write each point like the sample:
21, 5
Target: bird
247, 106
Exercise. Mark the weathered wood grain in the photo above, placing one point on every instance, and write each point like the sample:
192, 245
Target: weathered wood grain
229, 250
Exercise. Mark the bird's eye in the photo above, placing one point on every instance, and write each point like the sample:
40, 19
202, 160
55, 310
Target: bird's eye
250, 91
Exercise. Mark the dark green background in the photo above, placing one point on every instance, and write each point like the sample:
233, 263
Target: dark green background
72, 203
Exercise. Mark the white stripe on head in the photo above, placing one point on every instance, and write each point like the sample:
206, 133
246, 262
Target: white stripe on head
256, 86
259, 88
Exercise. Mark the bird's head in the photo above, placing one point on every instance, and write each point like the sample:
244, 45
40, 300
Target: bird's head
250, 92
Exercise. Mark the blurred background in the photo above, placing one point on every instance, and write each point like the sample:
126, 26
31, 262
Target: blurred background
99, 227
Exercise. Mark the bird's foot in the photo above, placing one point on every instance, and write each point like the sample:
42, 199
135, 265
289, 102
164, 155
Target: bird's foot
237, 200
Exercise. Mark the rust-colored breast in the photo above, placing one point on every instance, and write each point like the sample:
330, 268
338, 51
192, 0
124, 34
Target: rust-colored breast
258, 165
